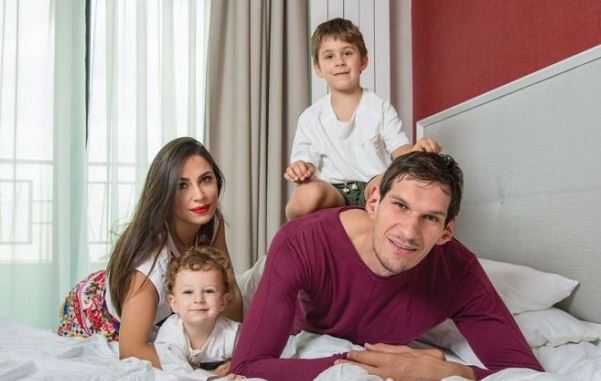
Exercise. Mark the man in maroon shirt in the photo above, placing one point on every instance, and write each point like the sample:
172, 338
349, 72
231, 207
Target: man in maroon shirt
383, 276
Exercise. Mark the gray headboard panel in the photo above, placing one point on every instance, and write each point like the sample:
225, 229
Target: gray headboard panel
531, 156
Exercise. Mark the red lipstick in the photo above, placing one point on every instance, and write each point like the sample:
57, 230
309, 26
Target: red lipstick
201, 209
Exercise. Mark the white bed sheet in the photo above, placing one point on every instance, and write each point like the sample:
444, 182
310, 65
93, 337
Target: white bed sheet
28, 353
33, 354
569, 362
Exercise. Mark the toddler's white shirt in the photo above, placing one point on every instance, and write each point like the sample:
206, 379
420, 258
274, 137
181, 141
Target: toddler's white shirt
173, 345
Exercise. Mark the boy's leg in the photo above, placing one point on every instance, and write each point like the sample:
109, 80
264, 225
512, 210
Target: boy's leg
311, 196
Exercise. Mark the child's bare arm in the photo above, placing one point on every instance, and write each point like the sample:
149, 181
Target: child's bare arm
426, 145
299, 171
406, 148
423, 144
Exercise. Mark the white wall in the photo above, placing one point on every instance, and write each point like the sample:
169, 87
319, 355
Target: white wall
401, 60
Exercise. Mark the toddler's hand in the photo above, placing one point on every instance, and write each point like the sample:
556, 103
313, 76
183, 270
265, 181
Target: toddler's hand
299, 172
233, 376
223, 369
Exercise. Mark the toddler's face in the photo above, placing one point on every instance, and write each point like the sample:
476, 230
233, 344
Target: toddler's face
198, 296
340, 64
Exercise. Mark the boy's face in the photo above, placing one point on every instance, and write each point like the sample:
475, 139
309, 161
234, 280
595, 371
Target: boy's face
340, 64
198, 296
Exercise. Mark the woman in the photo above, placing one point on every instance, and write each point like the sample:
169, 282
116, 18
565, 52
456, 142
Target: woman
178, 210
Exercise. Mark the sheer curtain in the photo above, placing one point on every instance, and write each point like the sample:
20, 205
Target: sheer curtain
62, 202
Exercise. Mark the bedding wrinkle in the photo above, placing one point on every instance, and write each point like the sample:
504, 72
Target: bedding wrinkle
16, 370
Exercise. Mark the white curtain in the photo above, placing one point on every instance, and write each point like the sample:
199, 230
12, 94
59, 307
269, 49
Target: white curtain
62, 202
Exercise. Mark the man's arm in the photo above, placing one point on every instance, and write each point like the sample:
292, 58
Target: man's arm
268, 323
488, 326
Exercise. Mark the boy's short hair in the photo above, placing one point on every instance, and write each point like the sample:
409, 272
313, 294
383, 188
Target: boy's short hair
204, 258
428, 167
340, 29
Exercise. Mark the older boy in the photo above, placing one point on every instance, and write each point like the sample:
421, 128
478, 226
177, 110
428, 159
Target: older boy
349, 136
383, 275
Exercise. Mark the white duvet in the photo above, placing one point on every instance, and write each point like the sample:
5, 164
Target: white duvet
32, 354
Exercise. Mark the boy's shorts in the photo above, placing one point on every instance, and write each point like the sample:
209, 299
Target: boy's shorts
352, 191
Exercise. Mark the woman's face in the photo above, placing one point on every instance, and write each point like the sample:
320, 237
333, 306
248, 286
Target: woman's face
197, 195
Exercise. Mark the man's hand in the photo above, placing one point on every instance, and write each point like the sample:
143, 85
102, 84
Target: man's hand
426, 145
299, 172
400, 362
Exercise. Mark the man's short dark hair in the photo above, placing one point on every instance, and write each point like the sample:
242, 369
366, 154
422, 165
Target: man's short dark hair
430, 168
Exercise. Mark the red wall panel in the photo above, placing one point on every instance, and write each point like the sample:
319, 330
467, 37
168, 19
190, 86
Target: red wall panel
463, 48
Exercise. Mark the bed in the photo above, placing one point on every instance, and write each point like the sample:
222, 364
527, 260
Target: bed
530, 155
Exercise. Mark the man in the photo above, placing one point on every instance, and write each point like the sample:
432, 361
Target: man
383, 276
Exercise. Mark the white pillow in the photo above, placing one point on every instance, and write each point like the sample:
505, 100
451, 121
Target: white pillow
524, 289
550, 327
446, 335
554, 327
248, 282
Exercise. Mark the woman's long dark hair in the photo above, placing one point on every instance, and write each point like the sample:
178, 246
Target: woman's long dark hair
147, 232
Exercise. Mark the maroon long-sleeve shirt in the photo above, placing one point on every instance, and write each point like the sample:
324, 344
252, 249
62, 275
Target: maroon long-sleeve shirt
314, 280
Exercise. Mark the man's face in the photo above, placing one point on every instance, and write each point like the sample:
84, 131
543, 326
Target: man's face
408, 222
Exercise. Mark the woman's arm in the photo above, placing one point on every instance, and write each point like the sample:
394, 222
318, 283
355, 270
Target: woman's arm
234, 310
137, 320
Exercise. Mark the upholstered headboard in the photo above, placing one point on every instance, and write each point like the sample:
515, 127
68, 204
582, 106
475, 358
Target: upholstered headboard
531, 156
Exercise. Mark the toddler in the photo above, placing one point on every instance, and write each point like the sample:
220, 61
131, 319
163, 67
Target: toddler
197, 338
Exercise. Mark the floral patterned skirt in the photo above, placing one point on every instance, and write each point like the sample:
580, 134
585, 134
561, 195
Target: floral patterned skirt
84, 311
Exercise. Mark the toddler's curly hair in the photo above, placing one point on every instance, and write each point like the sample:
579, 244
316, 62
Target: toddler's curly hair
203, 258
